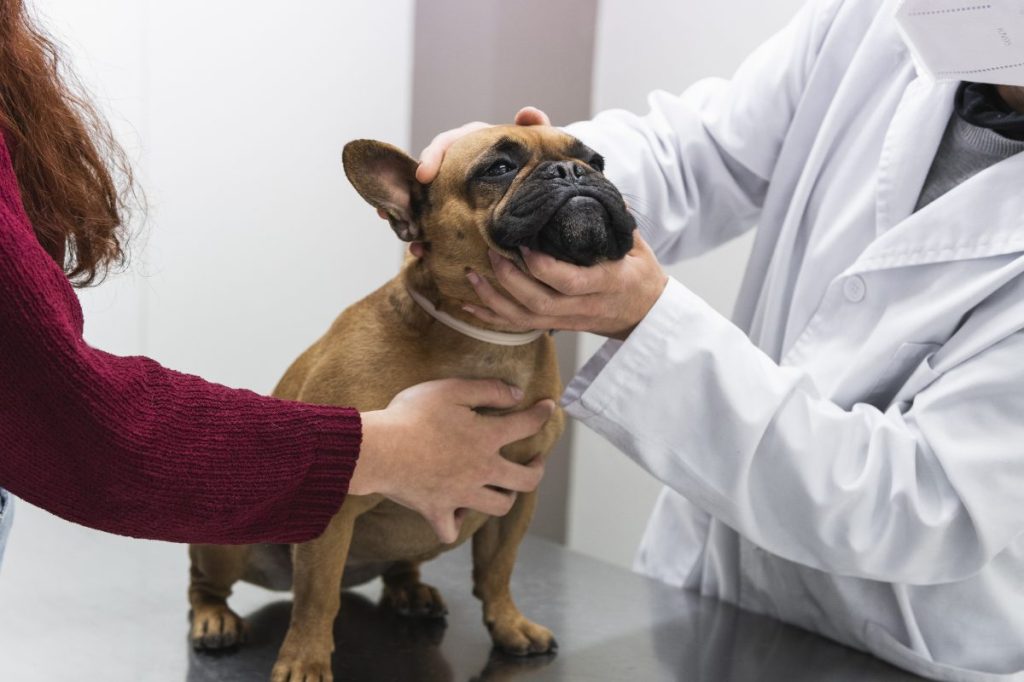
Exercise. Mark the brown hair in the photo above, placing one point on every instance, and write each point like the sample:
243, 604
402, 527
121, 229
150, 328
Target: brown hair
75, 179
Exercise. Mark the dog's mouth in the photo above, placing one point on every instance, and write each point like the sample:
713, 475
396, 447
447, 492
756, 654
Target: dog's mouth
582, 222
579, 232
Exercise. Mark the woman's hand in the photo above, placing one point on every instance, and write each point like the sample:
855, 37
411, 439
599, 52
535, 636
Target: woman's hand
431, 452
609, 298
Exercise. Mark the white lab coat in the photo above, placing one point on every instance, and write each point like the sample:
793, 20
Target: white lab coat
847, 455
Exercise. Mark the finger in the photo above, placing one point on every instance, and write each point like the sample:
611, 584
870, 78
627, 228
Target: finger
525, 423
433, 154
537, 297
476, 393
446, 526
532, 116
493, 502
523, 478
566, 278
506, 308
487, 315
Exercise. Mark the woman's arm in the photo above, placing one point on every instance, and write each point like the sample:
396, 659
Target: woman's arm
129, 447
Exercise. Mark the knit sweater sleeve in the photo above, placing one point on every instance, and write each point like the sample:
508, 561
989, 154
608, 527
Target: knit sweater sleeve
127, 446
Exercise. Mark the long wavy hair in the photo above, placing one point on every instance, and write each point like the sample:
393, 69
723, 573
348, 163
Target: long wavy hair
75, 180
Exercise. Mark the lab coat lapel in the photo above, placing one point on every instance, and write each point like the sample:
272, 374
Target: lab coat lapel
909, 148
981, 217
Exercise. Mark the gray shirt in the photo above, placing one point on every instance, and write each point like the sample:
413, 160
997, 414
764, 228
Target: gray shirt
965, 151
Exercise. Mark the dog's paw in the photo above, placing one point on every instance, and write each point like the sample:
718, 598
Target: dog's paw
520, 637
216, 627
308, 669
414, 599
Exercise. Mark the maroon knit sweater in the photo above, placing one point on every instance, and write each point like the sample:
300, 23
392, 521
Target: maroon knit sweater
124, 445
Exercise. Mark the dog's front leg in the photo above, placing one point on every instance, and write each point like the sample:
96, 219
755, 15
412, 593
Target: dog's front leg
494, 555
318, 566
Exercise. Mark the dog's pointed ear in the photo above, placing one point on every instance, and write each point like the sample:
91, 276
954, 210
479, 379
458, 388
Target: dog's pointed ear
385, 176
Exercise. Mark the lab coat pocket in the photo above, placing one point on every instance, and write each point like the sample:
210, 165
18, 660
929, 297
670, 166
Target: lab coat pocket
901, 368
889, 649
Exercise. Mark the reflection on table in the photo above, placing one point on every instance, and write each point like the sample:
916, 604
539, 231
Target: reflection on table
611, 625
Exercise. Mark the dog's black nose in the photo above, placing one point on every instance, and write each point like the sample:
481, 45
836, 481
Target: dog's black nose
570, 171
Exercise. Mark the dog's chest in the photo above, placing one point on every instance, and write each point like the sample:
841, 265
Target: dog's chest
496, 363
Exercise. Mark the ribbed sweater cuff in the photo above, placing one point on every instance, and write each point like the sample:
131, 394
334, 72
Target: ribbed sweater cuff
339, 436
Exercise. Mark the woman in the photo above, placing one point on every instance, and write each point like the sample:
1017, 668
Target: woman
848, 456
127, 446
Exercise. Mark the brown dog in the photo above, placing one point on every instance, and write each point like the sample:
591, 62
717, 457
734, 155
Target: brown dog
498, 188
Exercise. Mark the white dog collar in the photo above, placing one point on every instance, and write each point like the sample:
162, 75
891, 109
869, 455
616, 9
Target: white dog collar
485, 335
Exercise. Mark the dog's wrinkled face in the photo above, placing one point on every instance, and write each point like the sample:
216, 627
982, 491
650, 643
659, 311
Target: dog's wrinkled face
501, 188
545, 190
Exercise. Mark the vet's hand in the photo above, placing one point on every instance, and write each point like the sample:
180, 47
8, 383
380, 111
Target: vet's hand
433, 154
608, 299
429, 451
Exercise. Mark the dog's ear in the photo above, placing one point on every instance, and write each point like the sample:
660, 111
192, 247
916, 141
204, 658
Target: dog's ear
385, 176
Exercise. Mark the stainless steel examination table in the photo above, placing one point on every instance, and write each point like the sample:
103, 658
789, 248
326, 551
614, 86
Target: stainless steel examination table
93, 607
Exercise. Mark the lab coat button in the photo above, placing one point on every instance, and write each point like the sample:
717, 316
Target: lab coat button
854, 289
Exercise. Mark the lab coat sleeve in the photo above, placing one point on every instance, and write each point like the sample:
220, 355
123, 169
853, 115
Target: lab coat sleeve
919, 494
695, 169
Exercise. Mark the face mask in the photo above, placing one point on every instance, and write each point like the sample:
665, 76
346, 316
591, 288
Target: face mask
979, 41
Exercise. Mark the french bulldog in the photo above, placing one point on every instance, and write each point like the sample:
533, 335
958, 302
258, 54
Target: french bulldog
498, 188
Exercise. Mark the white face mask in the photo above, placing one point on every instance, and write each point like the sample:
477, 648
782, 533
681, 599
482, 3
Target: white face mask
979, 41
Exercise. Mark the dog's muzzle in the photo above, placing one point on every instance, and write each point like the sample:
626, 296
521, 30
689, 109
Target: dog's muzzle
567, 210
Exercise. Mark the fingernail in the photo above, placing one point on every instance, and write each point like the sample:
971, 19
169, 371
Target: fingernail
525, 250
474, 278
517, 392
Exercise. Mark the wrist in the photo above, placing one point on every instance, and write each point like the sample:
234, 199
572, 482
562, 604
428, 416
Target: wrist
646, 304
369, 477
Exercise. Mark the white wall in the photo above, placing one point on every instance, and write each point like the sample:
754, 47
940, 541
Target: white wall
236, 112
643, 45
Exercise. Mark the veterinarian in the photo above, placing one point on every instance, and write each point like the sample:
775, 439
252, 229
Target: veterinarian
124, 445
846, 454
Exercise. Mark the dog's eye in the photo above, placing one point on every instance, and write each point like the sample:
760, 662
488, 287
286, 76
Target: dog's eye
498, 169
597, 163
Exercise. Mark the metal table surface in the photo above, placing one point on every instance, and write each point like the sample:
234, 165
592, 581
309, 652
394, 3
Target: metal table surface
80, 605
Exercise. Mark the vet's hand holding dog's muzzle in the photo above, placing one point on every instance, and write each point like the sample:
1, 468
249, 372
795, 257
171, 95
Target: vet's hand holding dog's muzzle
608, 298
431, 451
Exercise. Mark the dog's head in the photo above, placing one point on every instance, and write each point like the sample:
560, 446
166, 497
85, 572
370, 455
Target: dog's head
501, 188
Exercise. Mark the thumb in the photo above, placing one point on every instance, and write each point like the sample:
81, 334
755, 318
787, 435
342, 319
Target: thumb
475, 393
525, 423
